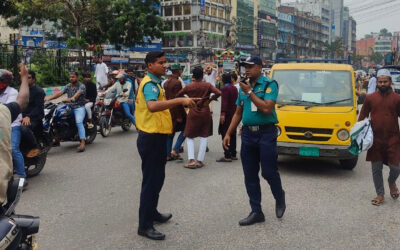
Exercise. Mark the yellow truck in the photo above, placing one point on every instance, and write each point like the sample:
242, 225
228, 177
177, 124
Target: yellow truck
316, 108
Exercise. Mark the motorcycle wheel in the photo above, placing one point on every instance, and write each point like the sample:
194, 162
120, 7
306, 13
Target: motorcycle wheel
34, 169
105, 128
126, 125
91, 135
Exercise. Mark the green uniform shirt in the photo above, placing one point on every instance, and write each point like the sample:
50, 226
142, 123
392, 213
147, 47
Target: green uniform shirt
150, 90
251, 115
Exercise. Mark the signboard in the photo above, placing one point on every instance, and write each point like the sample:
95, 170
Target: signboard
119, 60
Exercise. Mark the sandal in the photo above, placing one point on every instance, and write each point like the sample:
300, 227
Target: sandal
223, 159
235, 158
169, 158
378, 201
191, 164
199, 164
394, 191
176, 156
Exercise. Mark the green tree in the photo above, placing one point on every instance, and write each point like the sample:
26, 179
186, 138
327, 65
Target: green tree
121, 22
357, 60
376, 57
334, 49
385, 33
7, 8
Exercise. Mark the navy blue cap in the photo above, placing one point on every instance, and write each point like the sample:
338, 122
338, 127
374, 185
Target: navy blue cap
251, 60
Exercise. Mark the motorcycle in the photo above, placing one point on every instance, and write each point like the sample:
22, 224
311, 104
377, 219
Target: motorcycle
34, 165
59, 122
113, 115
17, 231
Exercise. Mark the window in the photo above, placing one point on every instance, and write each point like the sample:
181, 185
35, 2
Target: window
186, 25
168, 11
227, 15
214, 12
169, 42
213, 27
178, 25
207, 11
220, 29
168, 26
178, 10
220, 13
186, 9
205, 25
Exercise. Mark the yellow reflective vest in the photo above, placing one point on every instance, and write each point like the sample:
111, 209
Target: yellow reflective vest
151, 122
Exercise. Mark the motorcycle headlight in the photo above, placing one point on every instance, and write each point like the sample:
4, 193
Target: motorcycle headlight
279, 131
343, 135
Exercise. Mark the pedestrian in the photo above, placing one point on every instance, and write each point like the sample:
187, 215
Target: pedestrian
172, 86
372, 85
75, 91
132, 79
154, 122
256, 108
9, 95
199, 119
229, 96
32, 117
383, 108
90, 97
211, 74
235, 81
8, 113
101, 73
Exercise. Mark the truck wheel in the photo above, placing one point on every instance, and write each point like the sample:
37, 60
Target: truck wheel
349, 164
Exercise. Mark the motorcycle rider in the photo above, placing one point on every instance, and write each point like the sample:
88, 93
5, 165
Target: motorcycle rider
32, 124
90, 97
8, 113
121, 85
75, 91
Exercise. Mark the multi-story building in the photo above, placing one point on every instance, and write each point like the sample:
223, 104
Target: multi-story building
198, 28
267, 23
337, 14
365, 47
383, 45
349, 31
286, 35
5, 31
321, 9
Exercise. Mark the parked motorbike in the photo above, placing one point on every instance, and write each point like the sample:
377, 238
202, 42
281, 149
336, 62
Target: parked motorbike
113, 115
17, 231
34, 165
59, 122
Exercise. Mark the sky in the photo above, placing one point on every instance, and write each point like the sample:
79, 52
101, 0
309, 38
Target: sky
373, 15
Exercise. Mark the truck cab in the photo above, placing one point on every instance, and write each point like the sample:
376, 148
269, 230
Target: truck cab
316, 108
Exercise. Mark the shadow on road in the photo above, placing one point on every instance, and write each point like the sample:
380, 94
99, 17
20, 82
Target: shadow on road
311, 167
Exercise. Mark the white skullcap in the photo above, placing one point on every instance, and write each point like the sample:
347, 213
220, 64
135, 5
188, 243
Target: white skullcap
383, 72
169, 73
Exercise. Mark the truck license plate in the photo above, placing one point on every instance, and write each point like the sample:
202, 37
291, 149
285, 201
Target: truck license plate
309, 151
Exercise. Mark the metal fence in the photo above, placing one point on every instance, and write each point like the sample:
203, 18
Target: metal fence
51, 65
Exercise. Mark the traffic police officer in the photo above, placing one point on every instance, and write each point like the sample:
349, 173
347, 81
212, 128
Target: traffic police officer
154, 123
256, 108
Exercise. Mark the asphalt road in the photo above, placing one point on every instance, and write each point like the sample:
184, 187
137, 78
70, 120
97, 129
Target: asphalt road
90, 201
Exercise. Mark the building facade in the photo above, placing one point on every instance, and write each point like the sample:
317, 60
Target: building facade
365, 47
195, 28
286, 36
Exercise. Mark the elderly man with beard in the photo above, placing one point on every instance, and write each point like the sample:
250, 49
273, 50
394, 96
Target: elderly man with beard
383, 108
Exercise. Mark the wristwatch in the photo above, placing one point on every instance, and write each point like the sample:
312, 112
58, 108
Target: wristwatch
249, 92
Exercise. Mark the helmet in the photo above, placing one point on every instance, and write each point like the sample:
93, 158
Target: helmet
6, 78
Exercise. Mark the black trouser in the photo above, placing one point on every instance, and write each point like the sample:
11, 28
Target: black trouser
259, 148
152, 151
30, 133
231, 152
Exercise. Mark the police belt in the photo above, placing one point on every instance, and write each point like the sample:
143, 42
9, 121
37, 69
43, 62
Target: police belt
259, 128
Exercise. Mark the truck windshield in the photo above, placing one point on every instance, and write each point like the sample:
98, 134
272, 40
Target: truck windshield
314, 87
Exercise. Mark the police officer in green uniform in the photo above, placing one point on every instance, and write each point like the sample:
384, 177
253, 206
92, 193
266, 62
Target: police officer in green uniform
256, 109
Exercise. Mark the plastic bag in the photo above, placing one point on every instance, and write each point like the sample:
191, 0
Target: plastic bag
361, 136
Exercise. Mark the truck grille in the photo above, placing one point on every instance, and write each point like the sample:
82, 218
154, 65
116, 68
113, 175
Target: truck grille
324, 131
303, 138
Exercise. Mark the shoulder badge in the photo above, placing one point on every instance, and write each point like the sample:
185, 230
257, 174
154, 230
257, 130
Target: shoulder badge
154, 89
269, 90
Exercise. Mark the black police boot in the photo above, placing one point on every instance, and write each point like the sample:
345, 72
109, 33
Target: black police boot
151, 233
280, 206
252, 218
162, 218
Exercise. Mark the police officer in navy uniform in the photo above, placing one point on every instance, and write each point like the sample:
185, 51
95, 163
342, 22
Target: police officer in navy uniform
256, 109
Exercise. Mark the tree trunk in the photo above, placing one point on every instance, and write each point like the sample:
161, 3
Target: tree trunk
78, 35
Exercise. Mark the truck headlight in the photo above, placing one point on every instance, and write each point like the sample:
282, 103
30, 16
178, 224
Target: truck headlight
279, 131
343, 135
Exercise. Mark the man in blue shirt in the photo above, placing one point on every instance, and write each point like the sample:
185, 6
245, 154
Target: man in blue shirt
256, 109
